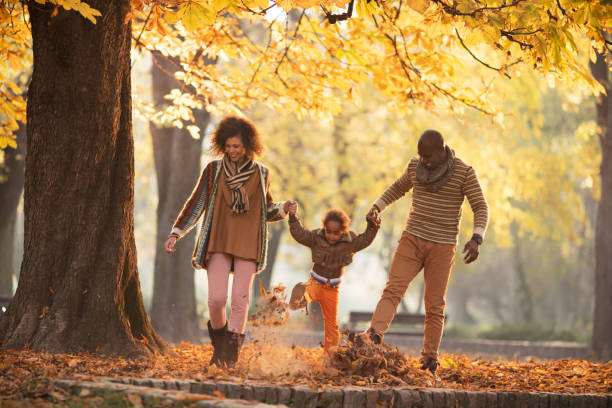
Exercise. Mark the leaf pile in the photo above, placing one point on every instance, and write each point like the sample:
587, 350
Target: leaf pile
378, 363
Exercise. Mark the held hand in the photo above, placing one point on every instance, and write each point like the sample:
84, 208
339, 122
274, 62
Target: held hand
372, 217
471, 251
291, 207
169, 245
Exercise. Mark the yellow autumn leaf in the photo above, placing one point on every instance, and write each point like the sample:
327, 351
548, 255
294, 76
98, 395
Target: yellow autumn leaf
286, 5
83, 8
418, 5
196, 15
173, 17
262, 4
219, 5
14, 61
14, 87
7, 141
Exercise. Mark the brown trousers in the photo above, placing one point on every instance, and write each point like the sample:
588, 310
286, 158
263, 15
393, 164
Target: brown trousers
412, 255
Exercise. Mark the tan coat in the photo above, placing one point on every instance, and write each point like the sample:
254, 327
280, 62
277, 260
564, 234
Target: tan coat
237, 234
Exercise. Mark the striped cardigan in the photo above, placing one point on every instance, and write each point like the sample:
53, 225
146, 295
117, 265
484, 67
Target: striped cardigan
436, 216
202, 201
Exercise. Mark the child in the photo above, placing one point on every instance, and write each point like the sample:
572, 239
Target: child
332, 249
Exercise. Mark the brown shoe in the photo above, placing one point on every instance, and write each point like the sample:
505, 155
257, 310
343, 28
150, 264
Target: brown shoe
430, 364
298, 297
368, 336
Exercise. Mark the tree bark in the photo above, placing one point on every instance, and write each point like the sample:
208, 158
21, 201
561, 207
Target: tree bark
79, 288
602, 315
177, 165
525, 300
10, 191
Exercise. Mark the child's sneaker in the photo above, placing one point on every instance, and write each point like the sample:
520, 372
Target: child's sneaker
298, 296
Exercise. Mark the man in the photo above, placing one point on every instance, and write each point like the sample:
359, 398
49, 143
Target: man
439, 181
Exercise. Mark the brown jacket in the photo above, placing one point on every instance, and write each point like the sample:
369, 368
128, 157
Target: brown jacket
330, 260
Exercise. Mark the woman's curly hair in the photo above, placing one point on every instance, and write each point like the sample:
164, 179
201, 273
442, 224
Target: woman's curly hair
338, 215
231, 126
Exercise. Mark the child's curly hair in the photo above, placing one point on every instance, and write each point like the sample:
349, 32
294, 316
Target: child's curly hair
231, 126
338, 215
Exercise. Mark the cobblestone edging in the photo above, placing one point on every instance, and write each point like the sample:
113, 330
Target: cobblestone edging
151, 396
361, 397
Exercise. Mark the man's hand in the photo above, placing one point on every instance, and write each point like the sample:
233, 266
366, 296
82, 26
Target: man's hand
471, 251
169, 245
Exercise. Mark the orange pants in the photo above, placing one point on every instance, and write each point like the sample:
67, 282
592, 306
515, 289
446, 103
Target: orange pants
413, 254
327, 297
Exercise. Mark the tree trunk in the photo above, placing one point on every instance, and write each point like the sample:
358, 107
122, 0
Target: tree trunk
525, 300
177, 165
11, 188
275, 234
79, 288
602, 316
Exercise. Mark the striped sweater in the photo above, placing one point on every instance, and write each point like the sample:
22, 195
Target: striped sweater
436, 216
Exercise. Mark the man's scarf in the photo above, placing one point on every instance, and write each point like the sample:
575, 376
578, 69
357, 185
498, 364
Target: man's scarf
434, 179
235, 178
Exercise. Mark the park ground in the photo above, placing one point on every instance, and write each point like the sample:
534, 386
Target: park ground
31, 378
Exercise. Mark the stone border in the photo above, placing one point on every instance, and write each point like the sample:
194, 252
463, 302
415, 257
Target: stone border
361, 397
151, 396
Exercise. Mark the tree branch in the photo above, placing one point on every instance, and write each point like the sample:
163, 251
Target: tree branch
477, 59
297, 28
561, 8
333, 18
455, 12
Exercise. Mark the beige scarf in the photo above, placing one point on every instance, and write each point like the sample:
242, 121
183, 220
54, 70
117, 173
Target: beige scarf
235, 178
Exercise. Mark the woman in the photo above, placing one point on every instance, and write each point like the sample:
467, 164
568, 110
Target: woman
233, 195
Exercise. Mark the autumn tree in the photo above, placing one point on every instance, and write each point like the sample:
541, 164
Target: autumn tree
78, 286
602, 329
177, 165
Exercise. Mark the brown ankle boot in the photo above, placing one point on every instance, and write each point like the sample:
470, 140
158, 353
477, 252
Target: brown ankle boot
298, 296
217, 339
233, 344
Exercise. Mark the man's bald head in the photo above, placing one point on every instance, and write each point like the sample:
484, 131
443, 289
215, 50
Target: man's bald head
431, 148
431, 139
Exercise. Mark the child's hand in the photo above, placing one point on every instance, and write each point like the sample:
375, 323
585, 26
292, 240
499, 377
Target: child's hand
292, 207
373, 217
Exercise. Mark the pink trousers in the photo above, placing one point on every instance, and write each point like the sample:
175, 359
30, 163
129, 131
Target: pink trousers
218, 276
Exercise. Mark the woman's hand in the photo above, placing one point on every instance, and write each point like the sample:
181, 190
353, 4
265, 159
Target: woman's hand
291, 207
169, 245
